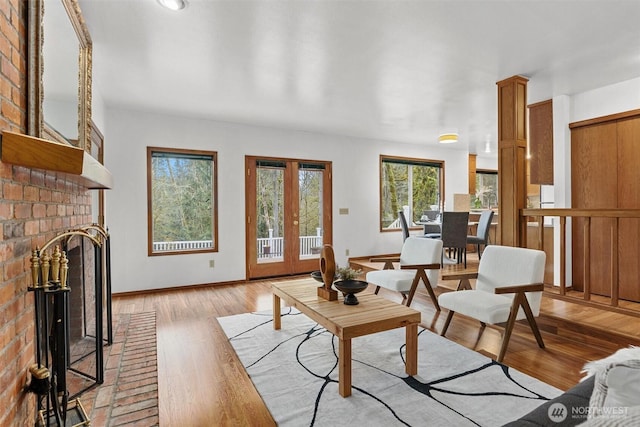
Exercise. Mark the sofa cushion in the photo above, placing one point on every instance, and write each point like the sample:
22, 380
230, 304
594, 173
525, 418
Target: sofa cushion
616, 389
576, 407
622, 355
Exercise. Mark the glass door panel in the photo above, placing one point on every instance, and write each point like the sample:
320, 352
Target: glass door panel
270, 211
288, 205
310, 205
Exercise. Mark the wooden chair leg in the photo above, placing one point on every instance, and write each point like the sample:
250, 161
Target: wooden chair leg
463, 284
532, 321
515, 305
483, 326
412, 291
432, 295
421, 275
447, 322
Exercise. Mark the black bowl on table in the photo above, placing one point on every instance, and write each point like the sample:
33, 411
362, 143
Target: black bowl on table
349, 288
317, 275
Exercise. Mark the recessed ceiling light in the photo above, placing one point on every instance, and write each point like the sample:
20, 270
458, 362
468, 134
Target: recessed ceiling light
173, 4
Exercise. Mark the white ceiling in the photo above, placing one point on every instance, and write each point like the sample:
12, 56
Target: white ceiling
393, 70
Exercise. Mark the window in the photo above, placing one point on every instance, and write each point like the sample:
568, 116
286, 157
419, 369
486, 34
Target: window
182, 201
411, 184
486, 196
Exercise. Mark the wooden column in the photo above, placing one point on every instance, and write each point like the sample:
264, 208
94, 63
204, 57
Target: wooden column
472, 173
512, 150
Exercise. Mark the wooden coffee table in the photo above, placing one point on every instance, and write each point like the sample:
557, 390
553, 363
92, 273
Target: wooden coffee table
373, 314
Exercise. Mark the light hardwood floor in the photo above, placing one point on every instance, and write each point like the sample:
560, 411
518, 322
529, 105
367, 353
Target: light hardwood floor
202, 383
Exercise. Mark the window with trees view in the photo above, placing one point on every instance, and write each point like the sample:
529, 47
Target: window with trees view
182, 204
486, 196
410, 184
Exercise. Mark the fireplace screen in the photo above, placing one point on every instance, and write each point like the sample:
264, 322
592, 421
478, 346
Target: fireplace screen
72, 297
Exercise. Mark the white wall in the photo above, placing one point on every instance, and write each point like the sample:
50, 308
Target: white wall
487, 163
355, 186
617, 98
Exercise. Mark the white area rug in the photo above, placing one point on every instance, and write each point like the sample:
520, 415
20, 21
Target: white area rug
295, 370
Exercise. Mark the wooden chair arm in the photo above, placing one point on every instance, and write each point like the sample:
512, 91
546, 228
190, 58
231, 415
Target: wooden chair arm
534, 287
385, 259
459, 275
420, 266
388, 262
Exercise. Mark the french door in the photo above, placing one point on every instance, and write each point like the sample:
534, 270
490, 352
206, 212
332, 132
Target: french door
288, 215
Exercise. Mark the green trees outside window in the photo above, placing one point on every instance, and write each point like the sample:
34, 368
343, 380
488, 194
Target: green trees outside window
182, 200
408, 182
486, 196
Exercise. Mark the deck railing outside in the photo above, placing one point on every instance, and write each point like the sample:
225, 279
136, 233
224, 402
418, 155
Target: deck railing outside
182, 245
268, 247
272, 247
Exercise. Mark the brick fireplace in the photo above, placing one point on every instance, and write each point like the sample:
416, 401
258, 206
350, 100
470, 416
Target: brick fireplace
35, 205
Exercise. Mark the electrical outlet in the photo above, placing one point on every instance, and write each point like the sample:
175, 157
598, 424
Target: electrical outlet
343, 211
346, 252
212, 263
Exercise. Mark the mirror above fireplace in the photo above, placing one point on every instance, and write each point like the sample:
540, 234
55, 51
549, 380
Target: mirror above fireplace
51, 143
60, 73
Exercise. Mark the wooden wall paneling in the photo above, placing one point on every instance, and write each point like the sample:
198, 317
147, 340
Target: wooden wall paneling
593, 176
506, 187
628, 132
472, 173
541, 142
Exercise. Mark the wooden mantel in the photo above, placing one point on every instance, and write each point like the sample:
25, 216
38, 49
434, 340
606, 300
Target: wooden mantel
40, 153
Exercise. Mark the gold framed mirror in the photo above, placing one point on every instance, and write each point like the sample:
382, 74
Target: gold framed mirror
52, 25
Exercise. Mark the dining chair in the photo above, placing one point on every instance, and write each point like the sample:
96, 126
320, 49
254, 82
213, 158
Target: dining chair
482, 233
419, 261
453, 234
508, 288
430, 215
403, 225
429, 222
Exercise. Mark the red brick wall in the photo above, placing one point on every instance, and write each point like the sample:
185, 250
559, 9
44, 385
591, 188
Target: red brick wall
35, 205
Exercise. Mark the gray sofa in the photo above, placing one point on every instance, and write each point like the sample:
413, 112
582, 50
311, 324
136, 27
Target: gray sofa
575, 400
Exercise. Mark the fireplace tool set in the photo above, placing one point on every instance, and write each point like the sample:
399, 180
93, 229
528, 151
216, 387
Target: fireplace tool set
50, 274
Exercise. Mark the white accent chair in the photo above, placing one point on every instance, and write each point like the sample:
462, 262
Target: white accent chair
419, 260
508, 288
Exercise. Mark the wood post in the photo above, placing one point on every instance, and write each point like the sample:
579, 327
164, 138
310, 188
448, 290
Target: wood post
512, 149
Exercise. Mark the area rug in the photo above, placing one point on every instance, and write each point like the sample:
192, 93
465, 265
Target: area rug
295, 370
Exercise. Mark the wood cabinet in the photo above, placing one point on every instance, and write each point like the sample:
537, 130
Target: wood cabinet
628, 172
605, 155
541, 142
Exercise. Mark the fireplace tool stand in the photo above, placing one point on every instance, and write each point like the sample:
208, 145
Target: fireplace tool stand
49, 273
